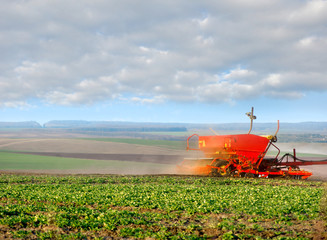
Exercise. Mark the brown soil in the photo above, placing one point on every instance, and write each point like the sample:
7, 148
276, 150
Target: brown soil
82, 146
163, 159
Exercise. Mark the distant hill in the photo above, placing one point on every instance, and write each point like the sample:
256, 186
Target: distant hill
258, 128
28, 124
66, 124
288, 132
304, 127
107, 126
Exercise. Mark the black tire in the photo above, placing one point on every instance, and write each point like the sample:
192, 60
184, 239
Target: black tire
249, 175
220, 163
224, 173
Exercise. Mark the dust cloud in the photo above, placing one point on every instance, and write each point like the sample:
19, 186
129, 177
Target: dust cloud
310, 149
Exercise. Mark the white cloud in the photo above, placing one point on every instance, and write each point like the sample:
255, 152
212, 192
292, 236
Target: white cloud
16, 104
67, 53
306, 42
202, 22
156, 100
239, 73
312, 12
273, 80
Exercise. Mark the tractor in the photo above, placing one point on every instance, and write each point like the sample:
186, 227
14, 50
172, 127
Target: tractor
243, 155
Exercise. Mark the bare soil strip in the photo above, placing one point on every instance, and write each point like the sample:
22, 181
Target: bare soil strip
163, 159
82, 146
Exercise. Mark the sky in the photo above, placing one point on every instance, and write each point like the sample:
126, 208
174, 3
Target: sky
163, 61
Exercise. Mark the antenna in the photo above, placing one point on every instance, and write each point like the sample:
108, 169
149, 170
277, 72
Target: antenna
214, 131
252, 117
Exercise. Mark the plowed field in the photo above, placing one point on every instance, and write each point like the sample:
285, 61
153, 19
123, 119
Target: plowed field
128, 155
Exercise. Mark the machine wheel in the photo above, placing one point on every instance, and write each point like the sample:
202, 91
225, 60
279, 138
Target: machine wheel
220, 172
297, 177
213, 172
224, 172
235, 174
249, 175
242, 174
220, 163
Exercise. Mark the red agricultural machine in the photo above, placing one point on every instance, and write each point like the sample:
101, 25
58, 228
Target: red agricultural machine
243, 155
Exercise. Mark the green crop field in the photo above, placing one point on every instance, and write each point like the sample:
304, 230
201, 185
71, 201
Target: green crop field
160, 207
18, 161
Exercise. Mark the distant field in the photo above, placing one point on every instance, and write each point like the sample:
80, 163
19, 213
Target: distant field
10, 129
26, 162
162, 150
180, 145
12, 161
93, 145
171, 133
72, 156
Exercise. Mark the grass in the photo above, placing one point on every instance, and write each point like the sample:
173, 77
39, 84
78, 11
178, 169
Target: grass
179, 145
17, 161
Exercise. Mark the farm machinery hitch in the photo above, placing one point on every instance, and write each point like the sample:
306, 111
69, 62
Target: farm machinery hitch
243, 155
